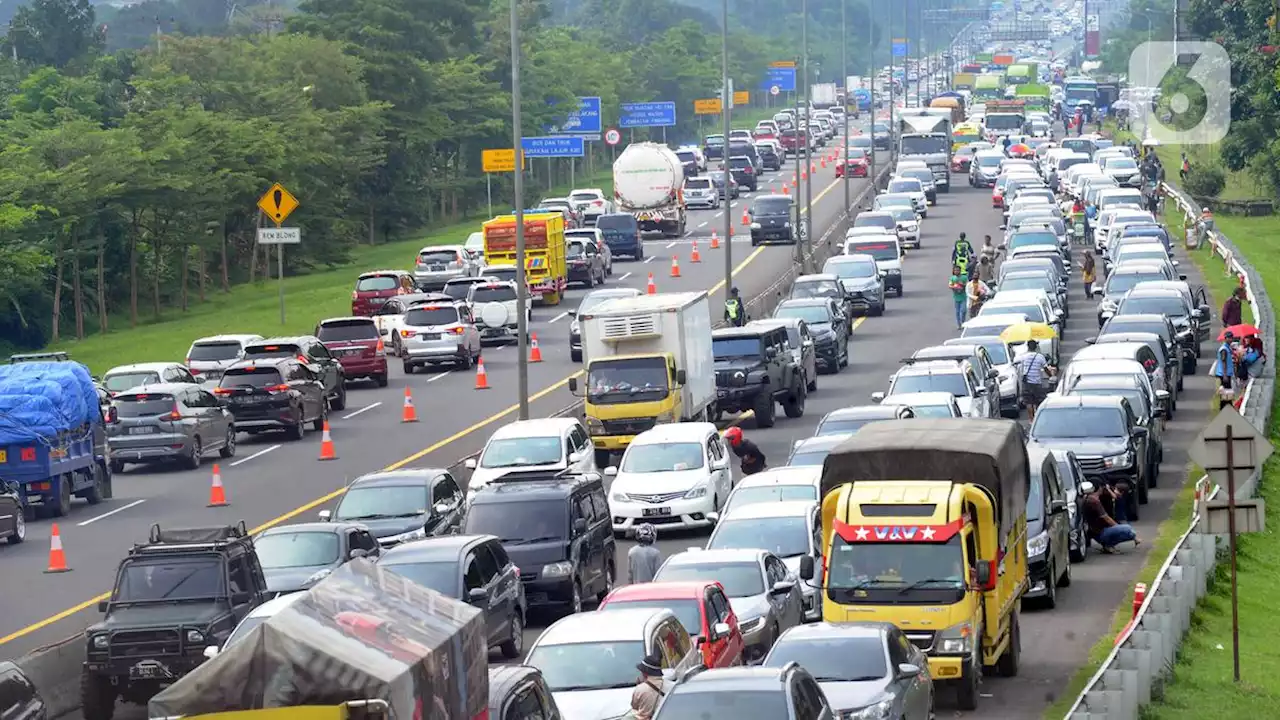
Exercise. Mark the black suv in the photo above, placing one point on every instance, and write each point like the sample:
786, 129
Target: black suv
307, 349
743, 170
771, 217
829, 326
754, 370
273, 394
178, 593
1048, 528
769, 157
557, 529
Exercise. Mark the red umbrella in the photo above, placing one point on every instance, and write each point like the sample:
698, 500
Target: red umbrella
1242, 330
1019, 149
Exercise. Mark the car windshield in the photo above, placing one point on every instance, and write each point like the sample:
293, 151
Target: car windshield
922, 145
894, 564
738, 579
812, 314
383, 501
924, 177
431, 316
905, 186
523, 451
348, 331
932, 411
987, 161
297, 549
739, 705
740, 163
1034, 312
996, 349
576, 249
1028, 283
902, 214
213, 352
377, 283
493, 293
735, 347
855, 153
520, 522
880, 220
439, 576
1120, 283
1035, 495
782, 536
662, 457
772, 206
1121, 324
620, 380
251, 377
1137, 400
1004, 122
949, 382
136, 406
714, 140
588, 665
178, 579
1078, 422
1122, 163
770, 494
687, 612
841, 426
815, 289
808, 458
883, 251
119, 382
509, 273
616, 222
687, 157
1154, 305
847, 659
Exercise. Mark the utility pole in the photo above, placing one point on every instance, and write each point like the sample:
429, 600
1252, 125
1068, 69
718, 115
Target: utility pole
808, 103
726, 102
802, 131
871, 83
522, 287
848, 92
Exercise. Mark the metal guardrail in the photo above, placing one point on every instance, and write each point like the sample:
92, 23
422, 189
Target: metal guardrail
1144, 653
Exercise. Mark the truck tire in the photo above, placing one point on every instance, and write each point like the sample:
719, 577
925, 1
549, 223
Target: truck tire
63, 508
794, 404
765, 410
97, 697
94, 494
966, 690
1007, 665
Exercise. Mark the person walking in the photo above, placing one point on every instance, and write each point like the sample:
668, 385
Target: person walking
986, 271
734, 312
750, 459
1233, 308
1102, 527
1034, 369
644, 559
1224, 369
976, 293
956, 283
1088, 273
989, 253
648, 691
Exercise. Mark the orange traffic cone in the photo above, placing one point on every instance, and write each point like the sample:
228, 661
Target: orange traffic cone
824, 162
651, 288
675, 266
326, 444
804, 175
410, 413
746, 218
217, 493
57, 558
482, 377
694, 257
535, 354
715, 240
786, 190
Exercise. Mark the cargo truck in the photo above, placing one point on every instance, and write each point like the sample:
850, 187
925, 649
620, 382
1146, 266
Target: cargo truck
824, 95
1035, 96
963, 81
1005, 117
648, 361
648, 183
924, 525
925, 135
952, 101
545, 269
989, 86
1022, 73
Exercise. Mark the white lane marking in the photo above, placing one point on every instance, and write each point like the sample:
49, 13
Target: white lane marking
366, 408
561, 316
434, 378
258, 454
672, 243
109, 513
704, 224
719, 214
624, 277
650, 259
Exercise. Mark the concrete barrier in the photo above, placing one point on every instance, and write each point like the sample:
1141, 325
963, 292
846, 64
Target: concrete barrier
55, 671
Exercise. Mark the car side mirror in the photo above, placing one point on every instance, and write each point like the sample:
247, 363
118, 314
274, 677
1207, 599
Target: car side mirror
713, 516
1138, 432
573, 385
358, 553
1057, 507
806, 567
1181, 277
1162, 396
579, 526
102, 606
1091, 340
210, 652
575, 457
611, 471
907, 671
325, 515
984, 575
476, 596
681, 377
241, 598
720, 630
782, 586
877, 397
1004, 227
441, 508
470, 464
1202, 312
992, 374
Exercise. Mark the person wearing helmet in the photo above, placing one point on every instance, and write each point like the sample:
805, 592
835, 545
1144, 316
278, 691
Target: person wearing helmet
644, 559
734, 312
750, 459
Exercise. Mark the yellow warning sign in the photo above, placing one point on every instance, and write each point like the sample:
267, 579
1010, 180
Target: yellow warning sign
277, 203
741, 97
710, 106
502, 160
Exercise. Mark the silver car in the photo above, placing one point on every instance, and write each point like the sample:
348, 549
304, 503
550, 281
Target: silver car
701, 192
438, 264
126, 377
209, 356
439, 334
169, 422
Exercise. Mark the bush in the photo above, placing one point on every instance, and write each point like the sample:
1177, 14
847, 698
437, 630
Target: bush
1205, 181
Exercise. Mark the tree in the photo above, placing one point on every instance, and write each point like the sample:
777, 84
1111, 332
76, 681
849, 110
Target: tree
54, 32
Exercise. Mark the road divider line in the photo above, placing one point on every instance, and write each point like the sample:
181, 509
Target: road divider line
624, 277
673, 243
434, 378
366, 408
242, 461
650, 259
109, 513
559, 317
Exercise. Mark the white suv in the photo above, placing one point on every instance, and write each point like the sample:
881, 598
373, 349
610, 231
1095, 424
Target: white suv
545, 444
676, 475
209, 356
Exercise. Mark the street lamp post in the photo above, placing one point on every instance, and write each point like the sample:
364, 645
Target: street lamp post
808, 103
726, 104
844, 70
871, 84
522, 288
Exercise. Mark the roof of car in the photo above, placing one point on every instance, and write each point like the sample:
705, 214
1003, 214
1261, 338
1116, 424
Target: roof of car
249, 363
444, 547
772, 196
821, 442
732, 555
826, 631
790, 475
921, 398
754, 678
240, 338
325, 527
931, 367
285, 340
597, 627
144, 367
668, 432
941, 352
275, 605
376, 273
154, 389
537, 427
805, 302
661, 591
1139, 317
995, 319
747, 330
1081, 401
784, 509
879, 411
348, 319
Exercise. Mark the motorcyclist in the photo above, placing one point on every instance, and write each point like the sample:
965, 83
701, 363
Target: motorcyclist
735, 313
750, 459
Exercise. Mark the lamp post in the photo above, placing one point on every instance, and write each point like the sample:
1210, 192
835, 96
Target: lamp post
848, 91
726, 105
522, 289
871, 84
808, 103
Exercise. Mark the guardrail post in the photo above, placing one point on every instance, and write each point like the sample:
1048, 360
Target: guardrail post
1137, 662
1104, 703
1157, 620
1152, 645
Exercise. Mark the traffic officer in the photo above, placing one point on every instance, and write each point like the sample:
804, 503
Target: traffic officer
734, 311
961, 254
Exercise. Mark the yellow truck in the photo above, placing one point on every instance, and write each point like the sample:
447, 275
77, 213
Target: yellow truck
545, 267
963, 80
924, 525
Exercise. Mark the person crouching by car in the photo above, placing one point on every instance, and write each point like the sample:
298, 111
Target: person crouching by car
1102, 527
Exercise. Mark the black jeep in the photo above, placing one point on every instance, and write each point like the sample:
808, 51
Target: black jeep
755, 369
180, 592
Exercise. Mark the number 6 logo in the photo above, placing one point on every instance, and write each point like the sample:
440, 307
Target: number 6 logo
1198, 108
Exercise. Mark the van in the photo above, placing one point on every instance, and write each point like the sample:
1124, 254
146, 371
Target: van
888, 254
622, 234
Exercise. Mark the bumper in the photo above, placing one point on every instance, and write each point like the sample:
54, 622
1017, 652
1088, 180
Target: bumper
777, 235
579, 274
163, 669
946, 668
424, 354
893, 281
249, 418
363, 367
755, 643
677, 514
827, 357
506, 333
548, 591
1037, 577
709, 201
629, 249
144, 449
737, 399
612, 443
910, 238
866, 303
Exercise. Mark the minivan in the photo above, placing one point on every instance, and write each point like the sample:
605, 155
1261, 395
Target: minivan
621, 234
888, 254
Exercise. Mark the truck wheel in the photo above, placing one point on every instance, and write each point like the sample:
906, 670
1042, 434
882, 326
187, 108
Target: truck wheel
117, 466
966, 690
765, 410
63, 508
94, 494
794, 405
1007, 665
97, 697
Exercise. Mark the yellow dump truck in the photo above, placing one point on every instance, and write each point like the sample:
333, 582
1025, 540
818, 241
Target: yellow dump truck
545, 268
924, 524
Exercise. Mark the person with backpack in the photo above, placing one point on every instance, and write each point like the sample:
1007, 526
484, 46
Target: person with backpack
1034, 369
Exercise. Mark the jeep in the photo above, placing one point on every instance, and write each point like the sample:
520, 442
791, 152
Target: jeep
754, 370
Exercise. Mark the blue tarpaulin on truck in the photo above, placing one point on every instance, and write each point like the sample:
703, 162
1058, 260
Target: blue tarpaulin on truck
41, 400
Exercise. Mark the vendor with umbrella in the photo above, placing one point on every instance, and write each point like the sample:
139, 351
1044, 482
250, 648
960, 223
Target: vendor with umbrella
1024, 333
1020, 150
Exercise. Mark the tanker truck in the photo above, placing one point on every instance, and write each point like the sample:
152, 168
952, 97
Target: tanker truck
648, 183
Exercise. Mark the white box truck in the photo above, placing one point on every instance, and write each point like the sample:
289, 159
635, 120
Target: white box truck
648, 360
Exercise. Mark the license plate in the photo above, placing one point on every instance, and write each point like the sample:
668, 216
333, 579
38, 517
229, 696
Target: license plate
141, 430
656, 512
147, 671
428, 336
377, 301
437, 268
353, 351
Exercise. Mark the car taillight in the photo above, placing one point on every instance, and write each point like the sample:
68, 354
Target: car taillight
303, 359
113, 415
407, 333
597, 203
457, 330
276, 388
173, 414
221, 391
355, 295
380, 350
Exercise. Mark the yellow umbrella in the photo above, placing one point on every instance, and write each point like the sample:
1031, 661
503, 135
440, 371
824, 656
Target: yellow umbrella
1022, 332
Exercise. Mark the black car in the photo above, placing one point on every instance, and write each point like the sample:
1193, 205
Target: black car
557, 529
822, 285
181, 591
294, 557
743, 170
13, 524
1149, 416
740, 146
769, 157
274, 394
1071, 475
402, 505
307, 349
755, 370
771, 220
19, 698
519, 692
474, 569
829, 326
713, 147
1048, 529
1155, 323
688, 161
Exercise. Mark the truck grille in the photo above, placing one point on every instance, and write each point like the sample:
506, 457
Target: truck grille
656, 499
145, 644
1091, 464
922, 640
628, 426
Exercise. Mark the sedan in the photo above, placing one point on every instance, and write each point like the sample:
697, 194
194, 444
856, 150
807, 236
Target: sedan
295, 557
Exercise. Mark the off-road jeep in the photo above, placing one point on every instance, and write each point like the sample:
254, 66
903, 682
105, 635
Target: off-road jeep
754, 369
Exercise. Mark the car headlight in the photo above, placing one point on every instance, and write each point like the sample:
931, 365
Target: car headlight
575, 328
878, 711
696, 492
751, 625
1038, 545
318, 576
416, 534
594, 426
557, 570
1122, 460
955, 640
787, 225
195, 637
100, 642
755, 226
894, 271
620, 497
1109, 306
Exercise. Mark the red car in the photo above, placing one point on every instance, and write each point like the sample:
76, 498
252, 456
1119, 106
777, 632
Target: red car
961, 161
702, 608
793, 141
857, 164
356, 343
374, 288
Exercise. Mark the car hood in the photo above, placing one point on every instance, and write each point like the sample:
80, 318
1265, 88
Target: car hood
861, 284
593, 704
750, 607
533, 556
388, 527
658, 483
853, 695
290, 579
1087, 447
745, 366
148, 615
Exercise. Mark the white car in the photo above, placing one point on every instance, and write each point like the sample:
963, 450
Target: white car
591, 203
1002, 356
677, 473
955, 378
908, 226
127, 377
913, 188
495, 309
927, 404
256, 617
546, 444
774, 485
209, 356
791, 530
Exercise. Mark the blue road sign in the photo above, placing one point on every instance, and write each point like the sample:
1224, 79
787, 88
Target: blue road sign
783, 77
564, 146
899, 48
585, 120
648, 114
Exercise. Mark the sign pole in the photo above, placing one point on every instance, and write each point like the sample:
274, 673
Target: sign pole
1231, 539
522, 288
488, 187
726, 102
280, 276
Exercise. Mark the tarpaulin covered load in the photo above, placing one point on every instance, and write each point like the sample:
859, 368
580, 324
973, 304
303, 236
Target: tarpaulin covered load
990, 453
362, 633
42, 400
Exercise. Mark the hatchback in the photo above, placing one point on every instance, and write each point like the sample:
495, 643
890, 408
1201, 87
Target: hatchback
856, 164
701, 192
357, 345
169, 422
209, 356
274, 394
744, 172
438, 264
439, 334
376, 287
701, 607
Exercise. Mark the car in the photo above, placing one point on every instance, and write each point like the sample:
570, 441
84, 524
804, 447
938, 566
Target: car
1167, 356
542, 444
985, 168
908, 226
876, 218
357, 345
126, 377
1048, 529
865, 669
256, 617
475, 247
1150, 416
1191, 324
622, 234
771, 220
800, 343
859, 280
586, 265
1159, 325
702, 608
389, 317
589, 301
310, 350
848, 420
495, 308
274, 394
743, 169
1038, 279
886, 251
765, 595
457, 289
773, 485
438, 264
169, 422
1141, 353
786, 693
517, 692
925, 176
734, 191
295, 557
905, 200
755, 370
812, 451
443, 333
591, 203
856, 164
927, 404
828, 324
957, 378
19, 696
791, 530
399, 506
675, 475
1001, 356
209, 356
713, 147
565, 206
377, 286
13, 522
688, 162
474, 569
912, 188
770, 154
701, 192
973, 353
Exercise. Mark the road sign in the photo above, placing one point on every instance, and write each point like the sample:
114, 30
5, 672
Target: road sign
277, 203
783, 64
783, 77
1209, 450
585, 120
501, 160
612, 136
648, 114
774, 90
899, 47
279, 236
741, 97
710, 106
565, 146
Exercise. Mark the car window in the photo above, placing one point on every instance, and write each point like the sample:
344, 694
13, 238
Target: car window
473, 578
487, 563
807, 699
584, 508
599, 504
776, 571
720, 604
444, 490
526, 705
238, 575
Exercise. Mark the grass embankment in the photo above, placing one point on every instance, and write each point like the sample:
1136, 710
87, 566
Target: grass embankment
255, 308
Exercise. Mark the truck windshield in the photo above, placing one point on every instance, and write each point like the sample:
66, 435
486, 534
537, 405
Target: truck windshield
893, 565
627, 380
171, 579
924, 145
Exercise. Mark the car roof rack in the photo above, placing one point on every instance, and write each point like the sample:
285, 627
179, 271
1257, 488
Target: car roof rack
198, 535
40, 357
522, 476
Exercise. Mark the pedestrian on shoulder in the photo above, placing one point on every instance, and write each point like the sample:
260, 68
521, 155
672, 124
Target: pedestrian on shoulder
1233, 308
1224, 369
976, 293
1088, 273
1102, 527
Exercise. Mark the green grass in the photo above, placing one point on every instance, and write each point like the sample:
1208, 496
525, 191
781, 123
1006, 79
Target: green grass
255, 308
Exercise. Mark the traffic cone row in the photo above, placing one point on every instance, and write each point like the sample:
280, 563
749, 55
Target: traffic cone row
217, 493
410, 413
327, 451
535, 354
